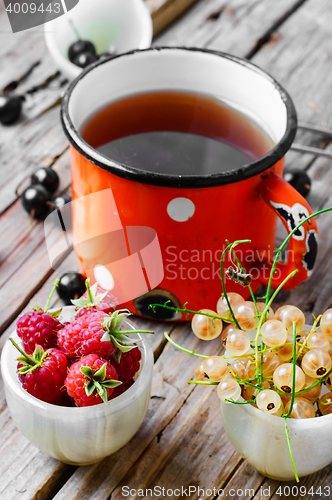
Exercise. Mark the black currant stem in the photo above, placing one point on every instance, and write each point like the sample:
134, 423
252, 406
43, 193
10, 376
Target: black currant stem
193, 353
313, 329
30, 360
290, 451
230, 245
282, 246
57, 281
203, 382
294, 373
267, 307
187, 311
75, 30
249, 286
88, 289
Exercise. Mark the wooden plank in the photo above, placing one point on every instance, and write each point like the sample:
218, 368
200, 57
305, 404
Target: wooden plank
164, 12
169, 393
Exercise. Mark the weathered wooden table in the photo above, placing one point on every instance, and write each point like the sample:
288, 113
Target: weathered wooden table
182, 441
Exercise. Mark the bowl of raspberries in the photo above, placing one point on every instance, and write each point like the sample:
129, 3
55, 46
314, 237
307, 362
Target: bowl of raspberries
77, 380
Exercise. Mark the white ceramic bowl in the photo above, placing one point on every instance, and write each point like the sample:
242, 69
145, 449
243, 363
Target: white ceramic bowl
126, 24
261, 439
78, 436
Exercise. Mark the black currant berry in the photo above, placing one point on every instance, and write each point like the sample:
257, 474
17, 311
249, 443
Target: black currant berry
79, 47
47, 177
61, 200
10, 108
35, 200
83, 60
299, 180
71, 286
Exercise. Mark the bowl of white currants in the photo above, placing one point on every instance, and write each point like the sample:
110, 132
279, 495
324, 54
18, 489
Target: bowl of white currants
273, 381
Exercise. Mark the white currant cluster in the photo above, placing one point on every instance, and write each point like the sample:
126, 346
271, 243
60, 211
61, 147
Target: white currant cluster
261, 369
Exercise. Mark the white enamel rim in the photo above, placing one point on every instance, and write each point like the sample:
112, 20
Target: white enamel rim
236, 81
116, 404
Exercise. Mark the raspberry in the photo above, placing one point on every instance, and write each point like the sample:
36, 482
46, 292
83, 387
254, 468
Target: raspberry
84, 336
91, 380
37, 327
128, 365
94, 299
43, 374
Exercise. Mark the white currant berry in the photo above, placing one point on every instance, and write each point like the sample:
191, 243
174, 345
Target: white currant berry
222, 307
283, 378
246, 315
316, 363
199, 371
273, 333
205, 327
302, 408
216, 368
268, 401
229, 389
237, 343
289, 314
325, 404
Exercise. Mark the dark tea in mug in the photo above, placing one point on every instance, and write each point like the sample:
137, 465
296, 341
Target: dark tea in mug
176, 132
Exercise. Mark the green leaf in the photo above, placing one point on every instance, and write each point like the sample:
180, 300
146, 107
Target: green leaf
55, 314
87, 371
106, 337
123, 339
111, 383
89, 387
39, 353
102, 391
122, 347
100, 375
79, 302
117, 356
24, 369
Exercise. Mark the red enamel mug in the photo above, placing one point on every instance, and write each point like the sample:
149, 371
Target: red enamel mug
159, 236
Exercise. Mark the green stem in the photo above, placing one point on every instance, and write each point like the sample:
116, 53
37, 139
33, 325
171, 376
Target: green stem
51, 295
313, 329
267, 306
223, 280
294, 372
193, 353
282, 246
249, 286
290, 450
127, 332
187, 311
88, 289
29, 359
203, 382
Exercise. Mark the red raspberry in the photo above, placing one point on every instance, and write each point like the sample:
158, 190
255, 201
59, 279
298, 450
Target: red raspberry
91, 380
128, 365
83, 336
43, 374
37, 327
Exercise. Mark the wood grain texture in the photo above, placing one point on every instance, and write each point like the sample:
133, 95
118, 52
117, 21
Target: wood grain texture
181, 441
164, 12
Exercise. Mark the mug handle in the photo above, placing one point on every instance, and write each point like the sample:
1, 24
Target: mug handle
291, 208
